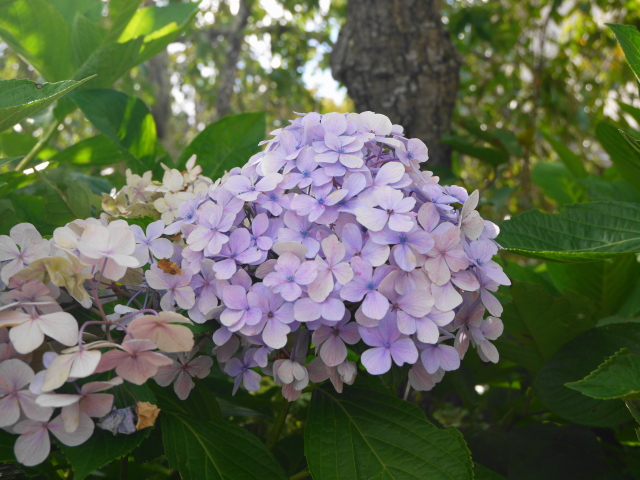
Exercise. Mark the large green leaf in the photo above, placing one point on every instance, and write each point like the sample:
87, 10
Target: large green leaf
62, 207
200, 404
364, 434
573, 162
92, 9
13, 144
541, 451
159, 26
631, 110
606, 283
631, 140
8, 217
557, 182
30, 209
629, 39
6, 446
618, 377
37, 31
216, 450
86, 37
124, 120
120, 13
574, 361
587, 231
488, 155
20, 99
623, 155
227, 143
110, 62
92, 151
102, 448
600, 190
537, 324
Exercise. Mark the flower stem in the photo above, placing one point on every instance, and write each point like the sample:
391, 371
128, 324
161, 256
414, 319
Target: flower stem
300, 475
278, 424
46, 137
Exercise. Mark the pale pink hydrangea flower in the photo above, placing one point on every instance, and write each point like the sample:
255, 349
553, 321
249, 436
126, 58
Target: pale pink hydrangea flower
182, 370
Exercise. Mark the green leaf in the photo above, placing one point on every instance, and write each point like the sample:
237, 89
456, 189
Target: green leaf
4, 161
103, 447
618, 377
364, 433
488, 155
634, 142
63, 207
120, 14
159, 26
227, 143
483, 473
8, 216
290, 453
142, 222
29, 208
504, 140
200, 404
607, 283
14, 144
631, 110
599, 190
124, 120
634, 409
587, 231
110, 62
37, 31
216, 450
623, 155
93, 151
570, 160
92, 9
86, 37
20, 99
537, 324
574, 361
629, 39
6, 446
541, 451
557, 183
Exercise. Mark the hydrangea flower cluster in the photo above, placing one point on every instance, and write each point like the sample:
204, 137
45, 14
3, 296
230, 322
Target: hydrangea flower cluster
331, 241
142, 196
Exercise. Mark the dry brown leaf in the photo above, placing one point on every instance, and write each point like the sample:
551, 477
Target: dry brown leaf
167, 266
147, 414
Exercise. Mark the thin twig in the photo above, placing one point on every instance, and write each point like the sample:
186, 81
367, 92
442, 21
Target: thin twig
46, 137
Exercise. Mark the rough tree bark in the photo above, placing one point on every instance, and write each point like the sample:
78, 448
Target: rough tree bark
159, 77
395, 58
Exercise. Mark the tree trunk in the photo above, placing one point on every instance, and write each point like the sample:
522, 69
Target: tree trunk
396, 58
235, 39
159, 77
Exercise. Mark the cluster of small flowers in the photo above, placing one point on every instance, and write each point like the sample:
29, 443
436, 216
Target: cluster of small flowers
333, 229
44, 275
142, 196
332, 236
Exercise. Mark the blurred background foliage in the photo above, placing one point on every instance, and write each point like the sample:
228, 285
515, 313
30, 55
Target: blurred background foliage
536, 76
544, 89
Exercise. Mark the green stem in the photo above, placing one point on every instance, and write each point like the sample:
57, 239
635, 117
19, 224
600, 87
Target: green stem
124, 467
278, 424
300, 475
46, 137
